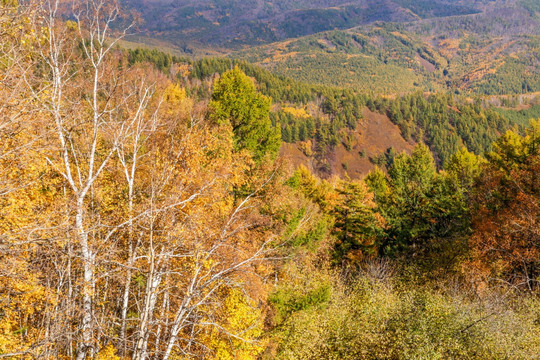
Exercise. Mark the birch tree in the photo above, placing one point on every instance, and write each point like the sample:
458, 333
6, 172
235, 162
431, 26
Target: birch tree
85, 97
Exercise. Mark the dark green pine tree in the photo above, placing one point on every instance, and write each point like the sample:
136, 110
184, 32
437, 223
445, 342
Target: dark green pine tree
419, 204
355, 226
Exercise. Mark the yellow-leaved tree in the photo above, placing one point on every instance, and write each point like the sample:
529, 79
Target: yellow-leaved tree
131, 226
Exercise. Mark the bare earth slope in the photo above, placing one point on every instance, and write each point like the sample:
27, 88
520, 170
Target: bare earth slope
374, 135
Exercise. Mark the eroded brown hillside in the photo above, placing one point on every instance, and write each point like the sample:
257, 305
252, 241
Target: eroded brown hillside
374, 135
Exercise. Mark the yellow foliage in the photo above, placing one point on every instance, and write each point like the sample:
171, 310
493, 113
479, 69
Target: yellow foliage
450, 44
241, 323
183, 70
22, 298
306, 147
296, 112
108, 353
176, 100
71, 25
67, 202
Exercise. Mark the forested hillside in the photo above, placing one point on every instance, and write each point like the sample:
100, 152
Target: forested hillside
164, 207
496, 52
327, 124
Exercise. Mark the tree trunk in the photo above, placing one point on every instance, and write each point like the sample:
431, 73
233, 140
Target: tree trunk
86, 346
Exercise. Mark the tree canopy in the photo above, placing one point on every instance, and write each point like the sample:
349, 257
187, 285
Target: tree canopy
235, 101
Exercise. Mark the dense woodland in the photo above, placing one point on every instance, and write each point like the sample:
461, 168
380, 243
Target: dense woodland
444, 123
320, 113
145, 212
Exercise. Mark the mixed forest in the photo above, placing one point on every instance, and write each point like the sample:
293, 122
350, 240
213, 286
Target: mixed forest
149, 208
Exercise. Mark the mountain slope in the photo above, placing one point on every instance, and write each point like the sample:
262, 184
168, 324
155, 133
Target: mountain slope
495, 52
231, 24
372, 139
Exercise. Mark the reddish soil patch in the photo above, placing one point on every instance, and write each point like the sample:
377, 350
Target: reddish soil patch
425, 64
374, 134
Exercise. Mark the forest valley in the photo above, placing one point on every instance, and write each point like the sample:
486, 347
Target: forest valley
146, 211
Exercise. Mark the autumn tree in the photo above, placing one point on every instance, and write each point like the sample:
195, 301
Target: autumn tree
235, 101
23, 203
465, 168
123, 223
506, 239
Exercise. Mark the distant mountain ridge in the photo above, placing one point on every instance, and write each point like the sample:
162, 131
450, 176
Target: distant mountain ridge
385, 46
231, 24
